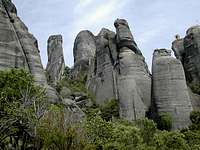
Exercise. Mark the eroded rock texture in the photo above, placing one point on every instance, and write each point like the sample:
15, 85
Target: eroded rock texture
18, 48
119, 71
170, 92
56, 65
84, 51
134, 81
188, 51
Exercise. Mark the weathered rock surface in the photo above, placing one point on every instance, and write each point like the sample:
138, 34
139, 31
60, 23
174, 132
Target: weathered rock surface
101, 81
170, 92
56, 65
178, 48
18, 48
119, 71
192, 55
188, 51
134, 80
84, 50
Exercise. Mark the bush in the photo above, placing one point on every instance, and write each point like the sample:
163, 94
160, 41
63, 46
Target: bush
109, 109
195, 88
147, 128
170, 141
165, 122
195, 117
22, 103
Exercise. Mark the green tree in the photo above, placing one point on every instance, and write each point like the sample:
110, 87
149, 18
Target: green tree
21, 106
109, 109
165, 121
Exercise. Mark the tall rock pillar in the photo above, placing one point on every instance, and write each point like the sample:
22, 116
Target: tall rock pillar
170, 93
133, 79
56, 65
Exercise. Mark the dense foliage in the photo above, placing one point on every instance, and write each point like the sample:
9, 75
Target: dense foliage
28, 122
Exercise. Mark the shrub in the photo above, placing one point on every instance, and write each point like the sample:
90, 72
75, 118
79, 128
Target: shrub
147, 128
98, 130
22, 103
195, 117
170, 141
165, 121
110, 109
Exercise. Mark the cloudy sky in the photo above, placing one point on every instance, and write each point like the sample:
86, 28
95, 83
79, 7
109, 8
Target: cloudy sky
153, 22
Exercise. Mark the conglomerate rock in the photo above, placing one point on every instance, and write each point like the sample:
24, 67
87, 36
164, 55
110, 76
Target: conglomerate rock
119, 71
84, 50
18, 48
101, 79
56, 65
188, 51
169, 91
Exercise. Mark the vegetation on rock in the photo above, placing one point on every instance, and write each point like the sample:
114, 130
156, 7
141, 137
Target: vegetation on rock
27, 121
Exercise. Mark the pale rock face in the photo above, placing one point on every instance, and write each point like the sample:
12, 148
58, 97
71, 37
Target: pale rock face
124, 36
18, 48
56, 65
101, 77
84, 46
134, 86
119, 71
178, 48
170, 92
84, 50
133, 78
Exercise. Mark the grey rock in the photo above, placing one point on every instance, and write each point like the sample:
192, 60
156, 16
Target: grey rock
18, 48
101, 77
188, 51
65, 92
124, 36
170, 93
195, 99
56, 65
84, 46
192, 55
73, 113
119, 71
178, 48
134, 85
84, 50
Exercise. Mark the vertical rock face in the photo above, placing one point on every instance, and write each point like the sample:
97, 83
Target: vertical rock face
178, 48
101, 82
18, 48
134, 81
11, 55
192, 55
124, 36
119, 71
170, 93
188, 51
84, 51
56, 65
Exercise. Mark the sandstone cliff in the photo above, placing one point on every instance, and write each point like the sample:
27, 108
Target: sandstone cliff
117, 70
170, 93
56, 64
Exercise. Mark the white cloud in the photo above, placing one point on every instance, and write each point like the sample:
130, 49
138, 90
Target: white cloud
98, 14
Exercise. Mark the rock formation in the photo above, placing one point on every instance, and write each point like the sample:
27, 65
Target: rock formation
84, 51
18, 48
189, 53
134, 81
118, 70
56, 65
113, 66
187, 50
170, 93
